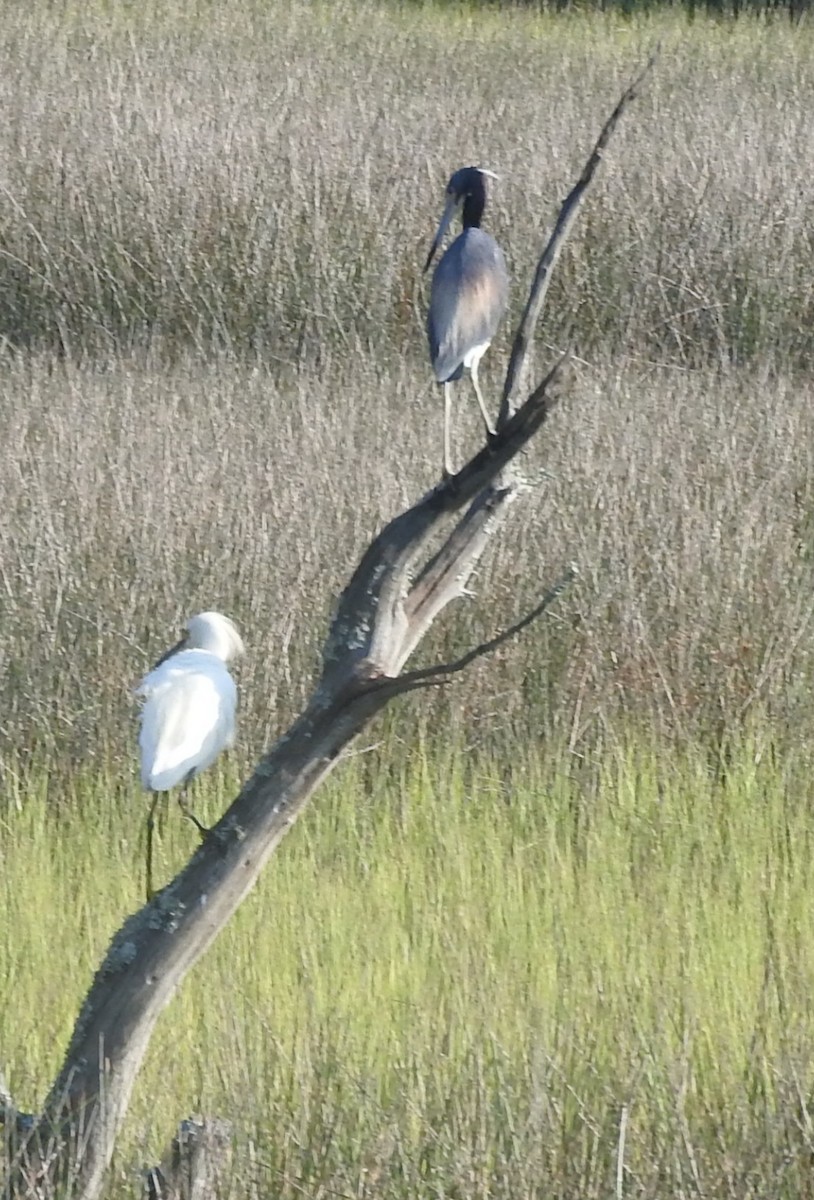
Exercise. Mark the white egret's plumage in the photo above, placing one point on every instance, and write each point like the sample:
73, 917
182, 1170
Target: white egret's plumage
188, 718
469, 294
189, 709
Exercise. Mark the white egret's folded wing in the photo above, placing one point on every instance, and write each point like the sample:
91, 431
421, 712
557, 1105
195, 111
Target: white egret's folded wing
187, 719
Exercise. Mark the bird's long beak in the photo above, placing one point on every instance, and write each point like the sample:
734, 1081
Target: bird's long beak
178, 646
449, 213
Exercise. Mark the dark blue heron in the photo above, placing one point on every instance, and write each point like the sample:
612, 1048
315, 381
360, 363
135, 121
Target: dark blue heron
470, 289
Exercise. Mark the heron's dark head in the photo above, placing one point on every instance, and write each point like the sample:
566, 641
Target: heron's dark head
469, 181
466, 190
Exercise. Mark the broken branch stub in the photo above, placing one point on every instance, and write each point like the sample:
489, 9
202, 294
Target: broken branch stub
399, 588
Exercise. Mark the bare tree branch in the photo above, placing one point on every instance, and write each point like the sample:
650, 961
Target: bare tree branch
398, 589
550, 255
152, 952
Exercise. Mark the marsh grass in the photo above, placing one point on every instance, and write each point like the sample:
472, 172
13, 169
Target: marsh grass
214, 379
576, 882
133, 497
263, 183
457, 975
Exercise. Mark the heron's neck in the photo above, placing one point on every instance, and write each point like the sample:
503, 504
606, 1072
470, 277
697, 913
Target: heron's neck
473, 207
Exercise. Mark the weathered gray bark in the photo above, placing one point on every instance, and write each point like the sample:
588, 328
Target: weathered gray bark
396, 592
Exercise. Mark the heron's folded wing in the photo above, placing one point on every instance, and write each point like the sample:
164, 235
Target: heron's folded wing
467, 302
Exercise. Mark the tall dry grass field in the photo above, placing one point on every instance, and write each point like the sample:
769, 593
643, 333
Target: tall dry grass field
215, 389
214, 367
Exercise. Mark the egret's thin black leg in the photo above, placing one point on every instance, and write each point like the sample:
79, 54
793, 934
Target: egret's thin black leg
203, 830
150, 828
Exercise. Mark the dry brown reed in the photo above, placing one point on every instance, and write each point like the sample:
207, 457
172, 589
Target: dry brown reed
214, 378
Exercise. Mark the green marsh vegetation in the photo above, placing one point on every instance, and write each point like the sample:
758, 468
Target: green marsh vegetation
575, 885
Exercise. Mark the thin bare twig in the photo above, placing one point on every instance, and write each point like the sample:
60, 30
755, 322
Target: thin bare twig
550, 255
425, 674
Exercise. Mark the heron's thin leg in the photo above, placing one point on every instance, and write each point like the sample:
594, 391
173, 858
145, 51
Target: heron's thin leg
150, 828
203, 830
490, 429
447, 407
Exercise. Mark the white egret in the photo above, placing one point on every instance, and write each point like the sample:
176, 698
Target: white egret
189, 713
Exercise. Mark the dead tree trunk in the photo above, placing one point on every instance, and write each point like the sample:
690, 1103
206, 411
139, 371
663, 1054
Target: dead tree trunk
397, 591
